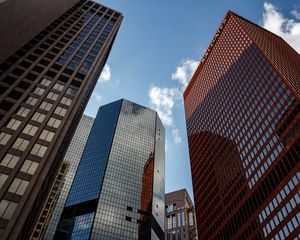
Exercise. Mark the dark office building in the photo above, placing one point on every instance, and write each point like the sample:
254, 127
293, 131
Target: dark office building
118, 189
243, 117
21, 21
180, 219
44, 88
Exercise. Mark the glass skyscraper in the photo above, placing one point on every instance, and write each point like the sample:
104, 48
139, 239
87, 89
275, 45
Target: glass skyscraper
72, 159
44, 88
242, 111
118, 189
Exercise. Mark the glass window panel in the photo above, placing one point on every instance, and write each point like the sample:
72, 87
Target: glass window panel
18, 186
45, 82
58, 86
15, 185
39, 117
23, 112
9, 160
4, 138
13, 124
30, 129
53, 122
39, 91
3, 178
29, 167
31, 100
20, 144
38, 150
9, 209
22, 188
46, 106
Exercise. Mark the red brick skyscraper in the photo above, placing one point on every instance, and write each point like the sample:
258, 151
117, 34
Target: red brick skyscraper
242, 111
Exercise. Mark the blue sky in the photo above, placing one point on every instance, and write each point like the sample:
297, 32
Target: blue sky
157, 48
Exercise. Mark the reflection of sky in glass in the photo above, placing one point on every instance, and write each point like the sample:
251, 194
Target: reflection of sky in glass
72, 156
82, 226
90, 173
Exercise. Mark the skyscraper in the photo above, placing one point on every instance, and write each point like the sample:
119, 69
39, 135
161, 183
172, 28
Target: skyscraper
71, 159
123, 167
242, 114
180, 219
44, 89
20, 22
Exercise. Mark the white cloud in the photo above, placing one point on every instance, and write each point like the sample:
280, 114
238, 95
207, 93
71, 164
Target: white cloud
185, 71
105, 74
288, 29
163, 101
176, 136
97, 96
296, 14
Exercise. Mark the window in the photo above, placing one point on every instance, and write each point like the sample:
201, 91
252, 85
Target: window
30, 129
60, 111
9, 160
174, 221
52, 96
13, 124
31, 100
38, 150
39, 117
58, 87
182, 218
169, 222
21, 144
4, 138
72, 90
29, 167
45, 82
53, 122
66, 101
18, 186
47, 135
7, 209
46, 106
169, 208
3, 178
39, 91
23, 112
178, 219
191, 219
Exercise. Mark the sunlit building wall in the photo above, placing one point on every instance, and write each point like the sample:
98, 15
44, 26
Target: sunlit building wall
243, 117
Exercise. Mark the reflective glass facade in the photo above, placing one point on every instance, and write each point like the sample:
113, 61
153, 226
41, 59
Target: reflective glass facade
242, 110
44, 88
120, 178
72, 159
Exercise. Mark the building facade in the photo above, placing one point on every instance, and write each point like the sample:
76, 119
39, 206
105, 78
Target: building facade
123, 167
44, 89
15, 32
46, 228
243, 117
180, 218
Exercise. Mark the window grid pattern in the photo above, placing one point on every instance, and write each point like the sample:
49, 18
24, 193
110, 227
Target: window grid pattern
244, 136
38, 72
123, 197
72, 157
